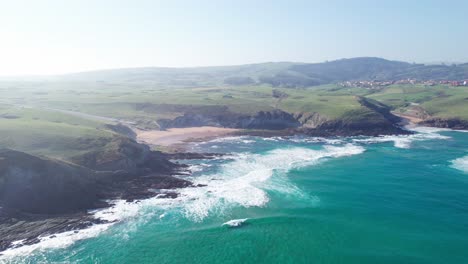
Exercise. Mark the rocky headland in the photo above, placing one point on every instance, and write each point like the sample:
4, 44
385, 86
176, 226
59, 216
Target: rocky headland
40, 196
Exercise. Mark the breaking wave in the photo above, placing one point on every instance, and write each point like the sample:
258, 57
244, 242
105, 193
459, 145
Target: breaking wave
244, 180
405, 141
235, 222
461, 164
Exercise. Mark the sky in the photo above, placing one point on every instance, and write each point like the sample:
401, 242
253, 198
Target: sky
62, 36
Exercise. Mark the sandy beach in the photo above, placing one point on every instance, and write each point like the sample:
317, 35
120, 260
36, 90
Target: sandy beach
175, 136
408, 119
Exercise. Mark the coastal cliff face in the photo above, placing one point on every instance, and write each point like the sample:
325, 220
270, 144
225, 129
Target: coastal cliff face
123, 169
372, 119
422, 117
272, 120
126, 156
39, 185
41, 196
452, 123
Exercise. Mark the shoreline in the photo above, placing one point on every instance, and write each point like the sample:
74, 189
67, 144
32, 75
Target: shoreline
175, 139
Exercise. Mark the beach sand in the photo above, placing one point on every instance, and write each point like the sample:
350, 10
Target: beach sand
408, 119
177, 136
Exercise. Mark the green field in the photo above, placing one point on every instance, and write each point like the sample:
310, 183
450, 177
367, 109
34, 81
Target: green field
32, 117
49, 133
439, 101
148, 104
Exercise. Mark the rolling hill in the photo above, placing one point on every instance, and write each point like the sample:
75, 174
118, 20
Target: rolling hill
279, 74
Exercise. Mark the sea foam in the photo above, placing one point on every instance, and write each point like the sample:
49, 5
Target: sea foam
243, 181
235, 222
405, 141
246, 180
461, 164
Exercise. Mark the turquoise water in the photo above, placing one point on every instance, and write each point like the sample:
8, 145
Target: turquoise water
306, 200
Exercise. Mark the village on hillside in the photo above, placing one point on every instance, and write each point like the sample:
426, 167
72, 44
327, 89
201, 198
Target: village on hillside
377, 84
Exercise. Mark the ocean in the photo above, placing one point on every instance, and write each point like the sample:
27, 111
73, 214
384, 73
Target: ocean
389, 199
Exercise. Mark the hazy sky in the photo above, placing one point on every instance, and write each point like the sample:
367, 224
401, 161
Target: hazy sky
46, 36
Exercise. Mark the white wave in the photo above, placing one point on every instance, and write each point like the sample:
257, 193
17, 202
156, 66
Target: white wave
274, 139
232, 139
198, 167
332, 141
461, 164
235, 222
60, 240
245, 180
240, 182
423, 129
404, 141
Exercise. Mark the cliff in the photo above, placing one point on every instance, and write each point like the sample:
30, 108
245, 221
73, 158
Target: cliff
373, 118
40, 185
123, 169
452, 123
126, 156
272, 120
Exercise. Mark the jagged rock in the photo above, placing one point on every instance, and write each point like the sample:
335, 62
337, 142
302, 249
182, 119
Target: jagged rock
453, 123
310, 120
374, 118
274, 120
126, 155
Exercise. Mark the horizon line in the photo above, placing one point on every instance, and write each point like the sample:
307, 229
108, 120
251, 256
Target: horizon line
219, 66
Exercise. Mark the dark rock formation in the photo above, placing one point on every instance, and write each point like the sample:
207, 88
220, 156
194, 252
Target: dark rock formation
374, 118
41, 196
274, 120
125, 155
16, 226
310, 120
452, 123
38, 185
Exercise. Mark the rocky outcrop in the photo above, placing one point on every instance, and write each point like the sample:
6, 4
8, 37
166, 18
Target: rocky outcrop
310, 120
122, 169
39, 185
41, 196
452, 123
374, 118
189, 120
126, 156
348, 128
273, 120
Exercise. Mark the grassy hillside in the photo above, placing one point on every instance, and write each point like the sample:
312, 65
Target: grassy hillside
29, 119
438, 101
48, 132
145, 104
